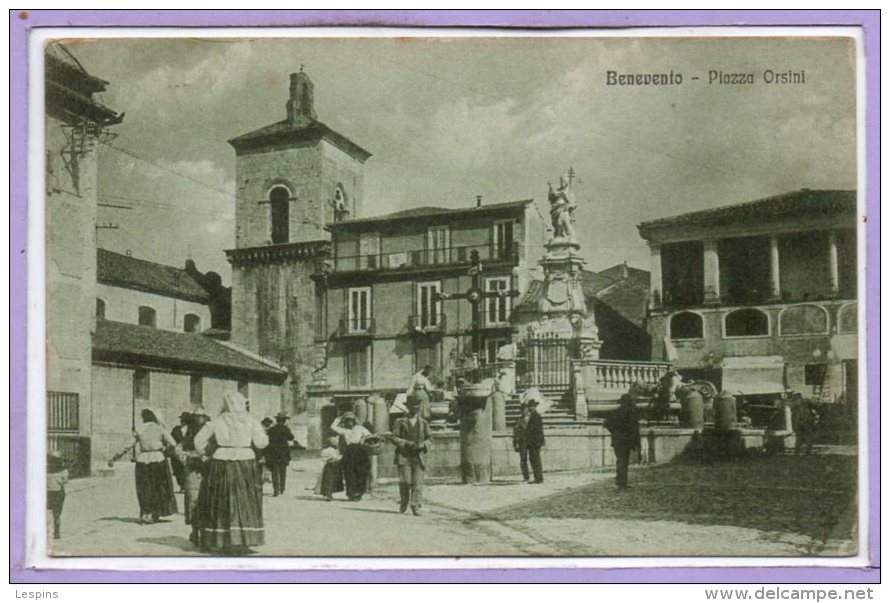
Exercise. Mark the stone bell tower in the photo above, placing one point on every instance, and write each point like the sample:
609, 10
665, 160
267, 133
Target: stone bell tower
293, 178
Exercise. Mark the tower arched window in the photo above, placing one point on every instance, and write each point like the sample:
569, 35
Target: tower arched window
279, 200
747, 322
100, 308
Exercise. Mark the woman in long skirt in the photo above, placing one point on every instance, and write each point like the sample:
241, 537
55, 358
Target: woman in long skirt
154, 481
193, 464
355, 464
330, 480
230, 502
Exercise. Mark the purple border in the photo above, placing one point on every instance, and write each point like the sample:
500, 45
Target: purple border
20, 25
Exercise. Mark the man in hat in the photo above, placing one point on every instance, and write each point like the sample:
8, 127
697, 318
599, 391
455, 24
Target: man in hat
278, 452
623, 424
412, 438
534, 440
177, 433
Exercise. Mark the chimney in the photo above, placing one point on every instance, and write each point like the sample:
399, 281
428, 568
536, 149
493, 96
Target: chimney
478, 200
624, 270
301, 104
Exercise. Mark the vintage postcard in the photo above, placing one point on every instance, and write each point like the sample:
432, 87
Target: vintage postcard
458, 294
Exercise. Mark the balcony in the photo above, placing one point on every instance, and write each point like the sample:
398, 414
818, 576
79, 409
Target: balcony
356, 327
426, 324
427, 258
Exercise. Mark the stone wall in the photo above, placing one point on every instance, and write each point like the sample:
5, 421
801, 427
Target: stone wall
122, 304
576, 448
115, 411
70, 267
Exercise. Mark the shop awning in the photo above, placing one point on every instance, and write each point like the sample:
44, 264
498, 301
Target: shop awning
754, 375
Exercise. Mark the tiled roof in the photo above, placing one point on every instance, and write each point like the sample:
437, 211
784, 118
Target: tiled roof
802, 202
132, 273
303, 129
146, 346
432, 212
626, 296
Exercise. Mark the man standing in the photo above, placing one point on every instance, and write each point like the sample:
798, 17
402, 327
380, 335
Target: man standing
411, 435
534, 440
177, 434
278, 452
519, 444
420, 388
622, 424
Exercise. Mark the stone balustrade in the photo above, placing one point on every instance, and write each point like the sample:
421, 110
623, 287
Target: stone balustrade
603, 381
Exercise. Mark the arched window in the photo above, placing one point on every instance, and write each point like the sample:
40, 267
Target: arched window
847, 319
747, 322
341, 209
147, 316
803, 320
279, 200
191, 323
687, 325
100, 308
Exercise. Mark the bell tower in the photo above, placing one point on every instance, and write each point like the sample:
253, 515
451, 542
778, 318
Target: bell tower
293, 177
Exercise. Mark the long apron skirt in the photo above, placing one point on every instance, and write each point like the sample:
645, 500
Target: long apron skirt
194, 474
356, 467
154, 489
230, 506
330, 480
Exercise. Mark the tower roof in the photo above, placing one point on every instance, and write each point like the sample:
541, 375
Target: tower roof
301, 124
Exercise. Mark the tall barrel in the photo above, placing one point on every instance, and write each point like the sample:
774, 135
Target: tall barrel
380, 414
725, 414
360, 408
475, 434
498, 402
693, 410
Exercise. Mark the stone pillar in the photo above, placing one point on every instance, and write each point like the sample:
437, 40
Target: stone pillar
655, 284
832, 263
580, 390
380, 414
475, 434
318, 398
712, 272
498, 401
774, 278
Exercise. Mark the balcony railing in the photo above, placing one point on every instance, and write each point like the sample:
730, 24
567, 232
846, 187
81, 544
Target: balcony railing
424, 258
356, 327
426, 324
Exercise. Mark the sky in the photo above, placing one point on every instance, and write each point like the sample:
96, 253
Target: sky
451, 118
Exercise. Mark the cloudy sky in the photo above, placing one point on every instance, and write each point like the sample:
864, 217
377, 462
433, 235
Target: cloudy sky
449, 119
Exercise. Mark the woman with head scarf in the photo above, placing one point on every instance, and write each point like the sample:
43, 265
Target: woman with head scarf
355, 464
154, 481
230, 502
193, 464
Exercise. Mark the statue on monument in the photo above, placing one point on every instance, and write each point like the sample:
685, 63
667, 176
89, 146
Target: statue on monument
562, 208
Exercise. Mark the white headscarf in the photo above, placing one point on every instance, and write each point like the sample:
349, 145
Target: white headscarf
235, 403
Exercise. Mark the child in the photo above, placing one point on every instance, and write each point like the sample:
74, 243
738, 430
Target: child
56, 478
330, 480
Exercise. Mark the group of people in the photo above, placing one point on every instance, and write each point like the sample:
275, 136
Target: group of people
216, 466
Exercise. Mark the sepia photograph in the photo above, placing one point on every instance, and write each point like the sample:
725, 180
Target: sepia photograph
482, 294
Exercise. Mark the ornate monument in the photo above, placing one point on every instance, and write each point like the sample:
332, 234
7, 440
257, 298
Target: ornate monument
562, 310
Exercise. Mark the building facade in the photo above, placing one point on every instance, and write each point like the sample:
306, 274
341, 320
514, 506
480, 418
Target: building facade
387, 305
759, 296
76, 123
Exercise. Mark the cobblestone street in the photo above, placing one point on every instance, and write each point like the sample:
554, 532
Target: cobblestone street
572, 514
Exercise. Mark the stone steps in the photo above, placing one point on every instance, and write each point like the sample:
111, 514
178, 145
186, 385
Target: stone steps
558, 414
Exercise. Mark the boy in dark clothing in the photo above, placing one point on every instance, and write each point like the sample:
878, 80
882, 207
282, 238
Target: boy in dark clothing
277, 453
624, 427
56, 478
519, 444
534, 440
